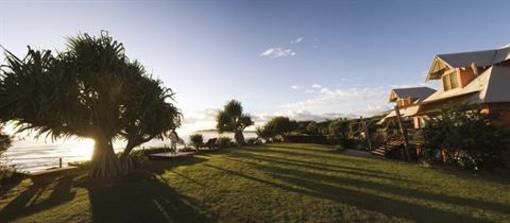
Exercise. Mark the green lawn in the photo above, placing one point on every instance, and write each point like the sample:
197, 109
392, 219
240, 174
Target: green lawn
270, 183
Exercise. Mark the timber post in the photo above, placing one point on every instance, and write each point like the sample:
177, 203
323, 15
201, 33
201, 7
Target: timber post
403, 131
365, 129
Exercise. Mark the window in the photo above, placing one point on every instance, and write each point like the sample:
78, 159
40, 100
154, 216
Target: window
450, 81
453, 80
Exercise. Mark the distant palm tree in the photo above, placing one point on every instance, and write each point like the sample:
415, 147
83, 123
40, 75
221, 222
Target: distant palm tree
232, 119
89, 90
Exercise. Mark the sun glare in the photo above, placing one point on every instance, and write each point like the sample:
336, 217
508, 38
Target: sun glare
83, 147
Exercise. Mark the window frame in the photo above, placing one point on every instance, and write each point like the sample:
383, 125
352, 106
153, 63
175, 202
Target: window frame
450, 80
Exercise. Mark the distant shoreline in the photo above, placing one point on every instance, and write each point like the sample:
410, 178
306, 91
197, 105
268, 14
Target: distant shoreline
216, 131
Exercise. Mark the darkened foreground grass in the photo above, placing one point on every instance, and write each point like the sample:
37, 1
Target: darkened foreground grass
270, 183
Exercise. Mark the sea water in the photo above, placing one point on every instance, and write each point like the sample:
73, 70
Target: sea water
38, 155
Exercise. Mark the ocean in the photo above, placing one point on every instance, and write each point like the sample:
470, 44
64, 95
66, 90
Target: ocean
37, 155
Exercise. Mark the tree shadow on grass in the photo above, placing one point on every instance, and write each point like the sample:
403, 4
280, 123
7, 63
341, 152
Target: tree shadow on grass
161, 165
12, 182
367, 201
150, 199
401, 191
28, 202
316, 167
145, 196
257, 154
295, 152
321, 148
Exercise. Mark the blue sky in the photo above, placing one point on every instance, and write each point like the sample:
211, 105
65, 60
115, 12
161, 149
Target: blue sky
305, 59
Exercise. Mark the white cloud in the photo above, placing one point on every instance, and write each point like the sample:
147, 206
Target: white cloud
278, 52
297, 40
295, 87
198, 120
350, 101
316, 86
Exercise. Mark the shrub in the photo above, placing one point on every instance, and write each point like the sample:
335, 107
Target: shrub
312, 128
224, 142
339, 127
6, 171
139, 158
467, 135
339, 148
277, 127
253, 141
197, 140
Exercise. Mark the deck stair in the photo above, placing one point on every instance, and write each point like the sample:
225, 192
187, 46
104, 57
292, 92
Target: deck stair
393, 142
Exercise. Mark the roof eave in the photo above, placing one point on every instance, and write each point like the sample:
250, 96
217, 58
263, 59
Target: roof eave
431, 75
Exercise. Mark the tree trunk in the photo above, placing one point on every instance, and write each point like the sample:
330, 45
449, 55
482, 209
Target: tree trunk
104, 161
126, 164
239, 137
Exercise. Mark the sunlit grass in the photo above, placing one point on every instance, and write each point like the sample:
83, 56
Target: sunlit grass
271, 183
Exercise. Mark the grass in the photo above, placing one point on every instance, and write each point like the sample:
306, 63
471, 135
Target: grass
269, 183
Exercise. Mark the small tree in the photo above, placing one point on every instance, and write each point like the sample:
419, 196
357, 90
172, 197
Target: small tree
339, 127
279, 126
467, 135
197, 140
263, 133
232, 119
312, 128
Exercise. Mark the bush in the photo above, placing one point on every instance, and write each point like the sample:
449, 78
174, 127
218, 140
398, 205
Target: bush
139, 158
253, 141
197, 140
467, 135
6, 171
224, 142
339, 148
278, 126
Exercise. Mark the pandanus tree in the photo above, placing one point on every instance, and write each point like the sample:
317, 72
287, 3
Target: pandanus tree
92, 90
232, 119
149, 115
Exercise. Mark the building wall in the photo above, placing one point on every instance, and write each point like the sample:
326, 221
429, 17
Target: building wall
403, 102
465, 76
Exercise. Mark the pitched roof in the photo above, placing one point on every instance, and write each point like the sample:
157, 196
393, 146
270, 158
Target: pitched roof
481, 58
414, 93
497, 86
404, 112
489, 87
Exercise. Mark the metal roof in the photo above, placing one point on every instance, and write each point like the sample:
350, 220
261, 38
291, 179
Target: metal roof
490, 87
483, 58
413, 92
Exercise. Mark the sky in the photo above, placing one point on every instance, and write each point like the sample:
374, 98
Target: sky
303, 59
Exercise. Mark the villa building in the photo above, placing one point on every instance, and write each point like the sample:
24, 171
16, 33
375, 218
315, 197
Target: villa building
407, 100
478, 77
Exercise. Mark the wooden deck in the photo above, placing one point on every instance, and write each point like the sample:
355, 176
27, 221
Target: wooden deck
169, 155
